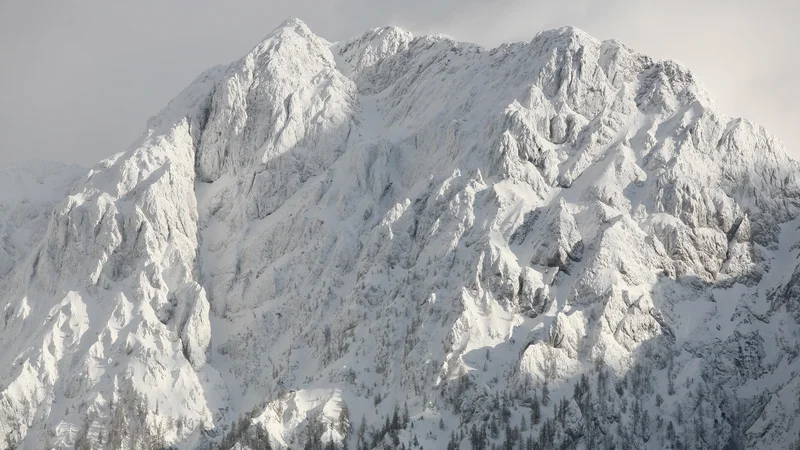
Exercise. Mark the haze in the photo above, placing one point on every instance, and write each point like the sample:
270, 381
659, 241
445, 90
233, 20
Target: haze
79, 79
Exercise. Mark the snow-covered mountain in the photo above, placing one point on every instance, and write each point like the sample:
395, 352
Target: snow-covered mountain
410, 241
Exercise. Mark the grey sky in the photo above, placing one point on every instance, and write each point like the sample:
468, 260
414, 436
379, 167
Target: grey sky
79, 79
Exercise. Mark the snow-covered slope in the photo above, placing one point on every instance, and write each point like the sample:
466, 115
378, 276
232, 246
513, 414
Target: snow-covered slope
410, 241
28, 192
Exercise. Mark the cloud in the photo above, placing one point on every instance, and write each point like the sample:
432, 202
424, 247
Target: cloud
81, 78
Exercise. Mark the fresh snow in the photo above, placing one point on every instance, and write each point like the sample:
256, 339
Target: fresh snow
398, 221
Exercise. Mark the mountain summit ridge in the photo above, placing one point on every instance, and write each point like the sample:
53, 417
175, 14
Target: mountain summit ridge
321, 235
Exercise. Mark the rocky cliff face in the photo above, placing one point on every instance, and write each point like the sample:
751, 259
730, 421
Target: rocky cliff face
399, 240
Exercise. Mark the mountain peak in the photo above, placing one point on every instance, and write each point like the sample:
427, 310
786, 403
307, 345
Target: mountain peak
294, 24
291, 30
569, 32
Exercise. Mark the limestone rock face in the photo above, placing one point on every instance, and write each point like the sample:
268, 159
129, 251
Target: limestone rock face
394, 221
561, 241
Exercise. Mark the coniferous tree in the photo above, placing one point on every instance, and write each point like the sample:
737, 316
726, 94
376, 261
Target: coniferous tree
670, 379
116, 432
253, 436
82, 440
644, 424
670, 432
494, 432
395, 418
505, 413
453, 443
699, 430
478, 438
362, 432
536, 411
343, 425
545, 394
314, 431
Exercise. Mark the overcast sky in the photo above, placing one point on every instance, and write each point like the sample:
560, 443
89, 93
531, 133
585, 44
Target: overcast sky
78, 79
